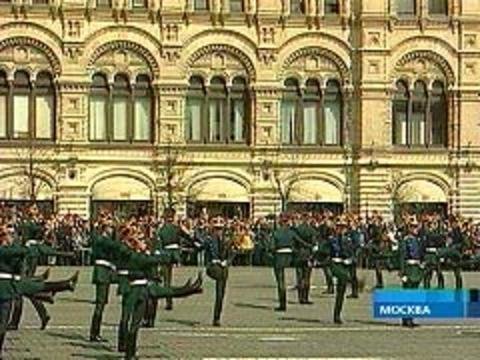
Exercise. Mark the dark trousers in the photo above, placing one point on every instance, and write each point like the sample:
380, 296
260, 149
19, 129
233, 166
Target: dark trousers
18, 310
5, 309
429, 271
220, 275
134, 319
327, 272
279, 272
457, 273
354, 280
303, 274
167, 282
102, 291
123, 326
343, 275
378, 274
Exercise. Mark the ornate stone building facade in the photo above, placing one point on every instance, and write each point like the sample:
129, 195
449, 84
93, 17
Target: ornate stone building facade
250, 105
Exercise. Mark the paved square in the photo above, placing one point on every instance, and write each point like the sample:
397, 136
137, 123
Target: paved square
250, 326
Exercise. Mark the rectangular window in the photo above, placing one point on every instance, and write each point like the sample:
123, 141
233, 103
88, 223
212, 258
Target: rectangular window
439, 119
400, 123
236, 6
98, 118
406, 7
288, 122
200, 5
142, 119
417, 125
237, 121
297, 7
20, 116
216, 120
194, 120
120, 118
332, 7
103, 3
332, 123
44, 117
310, 123
3, 116
138, 4
438, 7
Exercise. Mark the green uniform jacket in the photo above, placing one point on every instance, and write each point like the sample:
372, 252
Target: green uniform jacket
169, 237
303, 250
10, 256
283, 238
104, 248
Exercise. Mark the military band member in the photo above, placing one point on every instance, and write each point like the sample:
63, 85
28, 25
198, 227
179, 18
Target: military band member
218, 256
411, 262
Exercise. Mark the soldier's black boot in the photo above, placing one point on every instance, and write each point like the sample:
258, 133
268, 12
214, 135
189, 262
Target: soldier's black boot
60, 286
17, 309
96, 324
339, 298
282, 300
379, 278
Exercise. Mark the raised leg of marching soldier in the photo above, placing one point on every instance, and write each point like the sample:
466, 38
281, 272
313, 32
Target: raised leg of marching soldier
327, 272
167, 281
102, 292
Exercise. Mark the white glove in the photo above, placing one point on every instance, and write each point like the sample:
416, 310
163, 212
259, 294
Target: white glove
404, 279
315, 248
224, 263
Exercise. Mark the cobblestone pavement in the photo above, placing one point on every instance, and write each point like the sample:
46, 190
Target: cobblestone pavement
250, 327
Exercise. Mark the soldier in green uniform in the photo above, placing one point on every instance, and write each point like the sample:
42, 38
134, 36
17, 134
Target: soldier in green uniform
302, 256
218, 255
325, 230
139, 289
283, 241
453, 251
104, 254
357, 240
411, 262
338, 253
12, 285
169, 241
433, 242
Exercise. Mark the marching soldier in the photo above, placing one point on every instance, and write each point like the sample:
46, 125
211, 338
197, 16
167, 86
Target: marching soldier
377, 249
411, 262
139, 289
453, 252
218, 255
325, 230
433, 243
283, 241
356, 236
302, 255
339, 251
104, 253
169, 238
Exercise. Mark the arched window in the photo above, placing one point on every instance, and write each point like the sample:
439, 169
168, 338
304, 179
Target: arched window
195, 110
143, 111
290, 106
217, 115
438, 7
309, 117
99, 99
239, 101
122, 112
3, 104
406, 7
400, 114
332, 7
438, 114
44, 106
420, 117
333, 105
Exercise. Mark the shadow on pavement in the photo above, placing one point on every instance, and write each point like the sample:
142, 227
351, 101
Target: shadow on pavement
253, 306
372, 322
304, 320
181, 322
